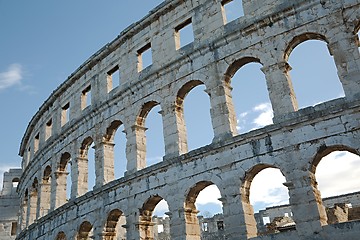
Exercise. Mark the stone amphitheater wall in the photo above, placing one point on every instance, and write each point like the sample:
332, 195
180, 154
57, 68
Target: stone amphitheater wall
66, 125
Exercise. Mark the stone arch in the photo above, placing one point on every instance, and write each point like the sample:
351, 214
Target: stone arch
61, 236
181, 94
142, 137
236, 65
192, 225
89, 166
111, 130
64, 160
84, 231
330, 211
114, 218
146, 229
324, 150
85, 145
297, 40
33, 198
248, 210
45, 191
245, 78
61, 187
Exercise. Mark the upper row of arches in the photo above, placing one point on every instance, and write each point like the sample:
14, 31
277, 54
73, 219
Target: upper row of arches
247, 77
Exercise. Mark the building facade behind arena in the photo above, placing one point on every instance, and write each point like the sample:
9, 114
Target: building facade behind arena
91, 106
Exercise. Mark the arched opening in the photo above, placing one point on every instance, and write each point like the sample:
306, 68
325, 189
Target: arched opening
203, 215
250, 95
263, 192
63, 179
114, 151
336, 170
115, 226
15, 182
33, 201
24, 210
87, 152
150, 133
45, 191
193, 115
61, 236
314, 73
154, 223
85, 231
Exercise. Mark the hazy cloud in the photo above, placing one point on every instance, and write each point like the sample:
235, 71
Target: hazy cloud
11, 77
259, 116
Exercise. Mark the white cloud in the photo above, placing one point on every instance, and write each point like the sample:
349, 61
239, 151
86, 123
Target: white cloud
210, 194
11, 77
266, 115
267, 188
338, 173
259, 116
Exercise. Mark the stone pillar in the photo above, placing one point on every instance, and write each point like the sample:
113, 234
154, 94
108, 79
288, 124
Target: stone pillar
306, 203
344, 48
174, 131
58, 190
222, 111
23, 215
79, 177
135, 148
184, 224
32, 206
280, 89
44, 196
132, 226
104, 163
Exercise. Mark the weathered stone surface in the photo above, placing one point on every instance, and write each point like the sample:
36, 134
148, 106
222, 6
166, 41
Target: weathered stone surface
266, 34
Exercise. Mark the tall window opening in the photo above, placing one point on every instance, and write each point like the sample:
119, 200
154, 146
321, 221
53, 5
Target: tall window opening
204, 212
48, 129
193, 106
314, 74
86, 97
250, 95
113, 78
36, 142
184, 34
231, 10
64, 179
144, 57
155, 223
155, 147
262, 189
65, 114
336, 171
115, 228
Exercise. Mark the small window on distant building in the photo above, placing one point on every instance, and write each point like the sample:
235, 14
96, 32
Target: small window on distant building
15, 182
13, 228
86, 97
48, 129
220, 225
36, 142
113, 78
286, 214
205, 226
65, 114
144, 57
231, 10
266, 220
184, 34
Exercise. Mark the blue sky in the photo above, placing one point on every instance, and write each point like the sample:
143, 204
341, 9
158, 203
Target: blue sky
42, 42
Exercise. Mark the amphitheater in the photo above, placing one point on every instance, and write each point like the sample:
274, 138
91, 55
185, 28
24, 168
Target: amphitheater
70, 121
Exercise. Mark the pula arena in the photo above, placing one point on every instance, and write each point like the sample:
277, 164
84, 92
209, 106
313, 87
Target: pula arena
67, 123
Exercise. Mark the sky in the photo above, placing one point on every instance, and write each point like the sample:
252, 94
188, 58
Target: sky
42, 42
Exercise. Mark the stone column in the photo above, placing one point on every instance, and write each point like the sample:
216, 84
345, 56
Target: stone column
58, 190
23, 214
344, 48
44, 196
104, 163
306, 203
32, 206
222, 110
135, 148
174, 131
280, 89
79, 177
184, 224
